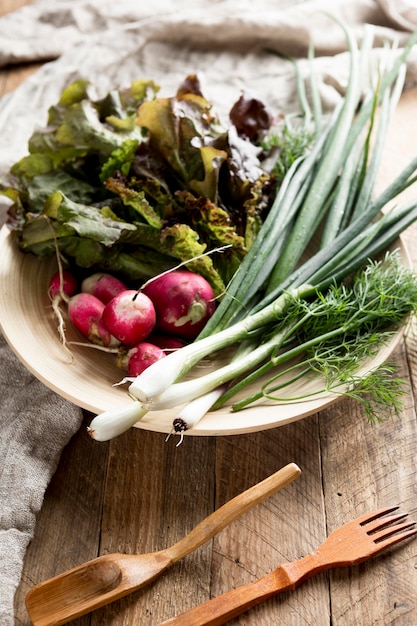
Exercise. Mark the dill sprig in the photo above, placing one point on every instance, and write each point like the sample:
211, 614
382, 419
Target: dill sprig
290, 143
380, 392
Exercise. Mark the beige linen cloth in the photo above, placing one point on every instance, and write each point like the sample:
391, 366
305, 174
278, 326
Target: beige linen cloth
111, 44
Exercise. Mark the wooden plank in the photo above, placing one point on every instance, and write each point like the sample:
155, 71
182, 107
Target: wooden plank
68, 526
365, 468
155, 494
285, 527
11, 77
7, 6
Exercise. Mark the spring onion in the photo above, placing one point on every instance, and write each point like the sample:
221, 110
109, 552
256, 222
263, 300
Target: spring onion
113, 423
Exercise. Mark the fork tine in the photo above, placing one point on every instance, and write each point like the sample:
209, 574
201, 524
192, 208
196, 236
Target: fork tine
369, 517
380, 523
392, 539
392, 531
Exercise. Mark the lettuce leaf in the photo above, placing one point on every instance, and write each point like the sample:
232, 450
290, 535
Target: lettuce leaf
133, 183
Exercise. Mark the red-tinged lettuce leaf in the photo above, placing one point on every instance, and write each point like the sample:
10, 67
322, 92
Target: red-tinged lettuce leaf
241, 173
215, 229
178, 129
251, 117
256, 207
183, 242
190, 85
136, 200
212, 160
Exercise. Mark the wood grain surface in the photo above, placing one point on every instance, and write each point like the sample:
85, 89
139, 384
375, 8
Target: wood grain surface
140, 493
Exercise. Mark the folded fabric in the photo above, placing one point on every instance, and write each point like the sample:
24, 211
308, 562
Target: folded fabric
49, 28
110, 44
35, 425
401, 13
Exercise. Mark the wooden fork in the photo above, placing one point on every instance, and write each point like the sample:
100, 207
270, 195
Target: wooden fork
350, 544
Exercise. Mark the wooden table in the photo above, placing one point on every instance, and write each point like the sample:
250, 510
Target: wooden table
140, 493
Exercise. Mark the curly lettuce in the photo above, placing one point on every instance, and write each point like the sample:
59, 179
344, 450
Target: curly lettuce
135, 183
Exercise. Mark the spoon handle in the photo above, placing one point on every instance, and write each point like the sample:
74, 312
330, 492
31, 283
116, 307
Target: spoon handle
233, 509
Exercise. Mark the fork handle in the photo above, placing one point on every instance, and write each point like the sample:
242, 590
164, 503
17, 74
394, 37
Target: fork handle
219, 610
231, 604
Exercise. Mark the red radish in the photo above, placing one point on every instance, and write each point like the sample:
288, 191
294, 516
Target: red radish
183, 301
104, 336
85, 312
65, 285
103, 286
130, 316
62, 285
141, 356
166, 342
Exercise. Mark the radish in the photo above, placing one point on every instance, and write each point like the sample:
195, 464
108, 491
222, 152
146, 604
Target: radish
183, 301
104, 336
166, 342
62, 285
130, 316
103, 286
85, 312
139, 357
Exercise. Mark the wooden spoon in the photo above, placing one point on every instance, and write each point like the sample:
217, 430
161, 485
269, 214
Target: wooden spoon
111, 576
